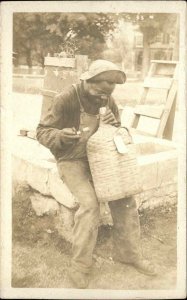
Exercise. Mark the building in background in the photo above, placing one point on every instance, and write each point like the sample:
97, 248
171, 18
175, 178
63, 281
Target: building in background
160, 49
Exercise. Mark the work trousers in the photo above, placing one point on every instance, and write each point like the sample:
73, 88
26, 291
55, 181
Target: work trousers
126, 229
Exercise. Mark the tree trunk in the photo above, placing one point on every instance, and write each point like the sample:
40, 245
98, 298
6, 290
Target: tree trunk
146, 56
28, 58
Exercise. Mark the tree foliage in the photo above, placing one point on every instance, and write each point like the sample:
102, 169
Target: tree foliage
37, 34
42, 33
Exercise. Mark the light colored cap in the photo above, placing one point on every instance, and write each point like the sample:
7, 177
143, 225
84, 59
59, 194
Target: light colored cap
104, 70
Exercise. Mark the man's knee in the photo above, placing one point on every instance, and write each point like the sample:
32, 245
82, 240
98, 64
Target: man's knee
91, 208
89, 215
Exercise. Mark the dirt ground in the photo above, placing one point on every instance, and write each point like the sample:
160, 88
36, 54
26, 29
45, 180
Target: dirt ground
40, 257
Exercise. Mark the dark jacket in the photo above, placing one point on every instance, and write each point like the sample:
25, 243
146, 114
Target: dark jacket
65, 113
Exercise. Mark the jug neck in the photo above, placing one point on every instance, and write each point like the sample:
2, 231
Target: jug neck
102, 112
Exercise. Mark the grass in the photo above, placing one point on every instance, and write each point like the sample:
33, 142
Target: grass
41, 256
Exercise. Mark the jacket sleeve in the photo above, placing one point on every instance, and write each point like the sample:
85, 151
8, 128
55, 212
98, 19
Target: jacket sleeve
49, 129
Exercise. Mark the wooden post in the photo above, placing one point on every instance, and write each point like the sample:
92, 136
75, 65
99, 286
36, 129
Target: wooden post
168, 132
81, 64
60, 73
165, 129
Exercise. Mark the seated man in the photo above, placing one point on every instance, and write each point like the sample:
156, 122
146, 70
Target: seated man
73, 111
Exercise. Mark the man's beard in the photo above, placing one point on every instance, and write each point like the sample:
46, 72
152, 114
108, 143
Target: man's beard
98, 96
100, 100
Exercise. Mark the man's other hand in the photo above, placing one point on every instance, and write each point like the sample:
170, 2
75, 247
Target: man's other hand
69, 135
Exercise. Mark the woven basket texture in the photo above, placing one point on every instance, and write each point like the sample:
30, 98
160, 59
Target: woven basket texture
115, 175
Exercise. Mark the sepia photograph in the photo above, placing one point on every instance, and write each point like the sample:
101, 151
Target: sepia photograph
93, 150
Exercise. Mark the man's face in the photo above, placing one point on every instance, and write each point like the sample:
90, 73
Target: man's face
101, 88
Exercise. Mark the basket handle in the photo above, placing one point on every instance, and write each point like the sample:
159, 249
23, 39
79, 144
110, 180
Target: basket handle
127, 129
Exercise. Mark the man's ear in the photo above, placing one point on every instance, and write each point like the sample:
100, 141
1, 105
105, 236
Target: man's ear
91, 88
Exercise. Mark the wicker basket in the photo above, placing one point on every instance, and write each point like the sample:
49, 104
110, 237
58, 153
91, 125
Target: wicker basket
115, 175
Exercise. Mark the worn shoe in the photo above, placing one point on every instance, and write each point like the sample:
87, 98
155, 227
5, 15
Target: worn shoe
142, 265
145, 267
80, 279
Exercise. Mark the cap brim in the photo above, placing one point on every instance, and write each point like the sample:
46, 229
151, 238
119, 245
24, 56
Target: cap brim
115, 76
85, 76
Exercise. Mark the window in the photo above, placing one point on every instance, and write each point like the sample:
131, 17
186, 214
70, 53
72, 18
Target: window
159, 38
138, 40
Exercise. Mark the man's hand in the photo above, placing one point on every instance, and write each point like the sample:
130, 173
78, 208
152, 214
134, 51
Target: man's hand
109, 118
69, 135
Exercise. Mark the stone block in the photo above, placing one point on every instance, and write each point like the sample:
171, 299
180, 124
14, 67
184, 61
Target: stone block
163, 195
167, 169
59, 190
151, 145
44, 205
148, 173
19, 169
37, 178
18, 186
145, 148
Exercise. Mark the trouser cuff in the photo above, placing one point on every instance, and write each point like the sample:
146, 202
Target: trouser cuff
80, 268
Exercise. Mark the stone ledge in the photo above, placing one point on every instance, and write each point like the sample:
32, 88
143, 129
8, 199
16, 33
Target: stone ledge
163, 195
34, 166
